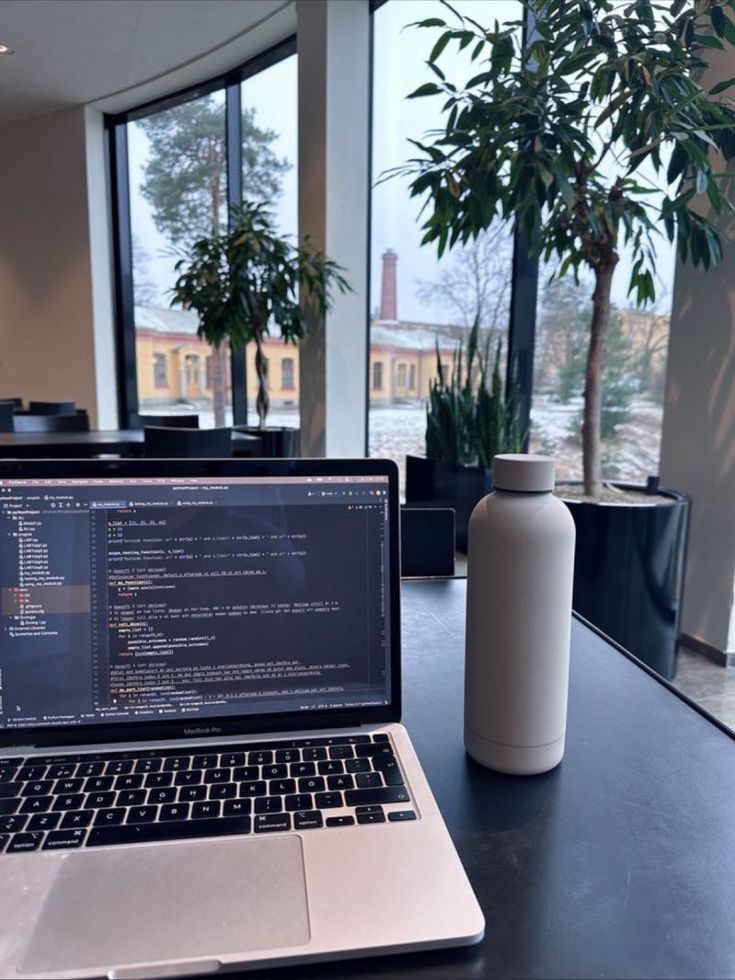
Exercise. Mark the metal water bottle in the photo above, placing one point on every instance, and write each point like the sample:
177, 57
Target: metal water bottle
519, 604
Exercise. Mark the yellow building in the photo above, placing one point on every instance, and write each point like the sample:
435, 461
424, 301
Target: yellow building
175, 365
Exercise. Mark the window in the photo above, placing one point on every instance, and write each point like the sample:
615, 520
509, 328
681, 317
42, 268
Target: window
160, 372
287, 373
419, 302
191, 374
269, 172
174, 171
178, 193
633, 377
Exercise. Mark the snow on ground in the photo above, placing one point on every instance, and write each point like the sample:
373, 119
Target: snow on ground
399, 429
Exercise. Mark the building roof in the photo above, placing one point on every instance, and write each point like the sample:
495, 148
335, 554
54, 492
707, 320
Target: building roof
164, 320
411, 338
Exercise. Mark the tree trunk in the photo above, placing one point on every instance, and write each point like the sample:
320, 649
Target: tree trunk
219, 383
591, 450
261, 369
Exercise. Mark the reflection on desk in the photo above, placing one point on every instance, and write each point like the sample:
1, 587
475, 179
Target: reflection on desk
619, 863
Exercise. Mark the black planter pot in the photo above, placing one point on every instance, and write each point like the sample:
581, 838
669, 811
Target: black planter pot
436, 483
277, 442
629, 572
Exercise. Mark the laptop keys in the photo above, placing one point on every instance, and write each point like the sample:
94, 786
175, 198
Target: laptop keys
140, 833
25, 842
57, 802
307, 820
272, 822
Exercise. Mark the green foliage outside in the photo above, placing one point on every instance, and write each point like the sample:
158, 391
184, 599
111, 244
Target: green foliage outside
469, 419
185, 177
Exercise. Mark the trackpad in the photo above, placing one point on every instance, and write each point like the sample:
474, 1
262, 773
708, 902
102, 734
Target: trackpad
171, 902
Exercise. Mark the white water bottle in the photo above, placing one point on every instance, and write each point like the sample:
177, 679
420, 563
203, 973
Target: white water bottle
519, 604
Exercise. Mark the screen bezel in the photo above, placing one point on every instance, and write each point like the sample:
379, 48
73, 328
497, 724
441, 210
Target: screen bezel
228, 726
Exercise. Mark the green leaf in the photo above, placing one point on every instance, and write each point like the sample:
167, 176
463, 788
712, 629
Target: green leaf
428, 88
721, 86
442, 42
718, 20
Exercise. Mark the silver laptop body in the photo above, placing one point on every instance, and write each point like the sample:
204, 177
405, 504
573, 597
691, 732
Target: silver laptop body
202, 766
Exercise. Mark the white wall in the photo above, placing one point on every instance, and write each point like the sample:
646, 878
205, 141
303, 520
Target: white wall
698, 437
47, 293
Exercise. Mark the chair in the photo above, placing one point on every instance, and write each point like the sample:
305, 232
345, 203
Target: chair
167, 443
15, 402
28, 422
427, 542
6, 416
52, 408
171, 421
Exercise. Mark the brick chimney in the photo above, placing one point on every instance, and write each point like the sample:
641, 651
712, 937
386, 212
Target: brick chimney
388, 299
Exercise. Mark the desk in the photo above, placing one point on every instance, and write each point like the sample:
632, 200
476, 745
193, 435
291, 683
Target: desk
83, 445
619, 863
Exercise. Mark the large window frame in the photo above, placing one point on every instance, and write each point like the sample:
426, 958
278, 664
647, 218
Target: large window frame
523, 287
117, 159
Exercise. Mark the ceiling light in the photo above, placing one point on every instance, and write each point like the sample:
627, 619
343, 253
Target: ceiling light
5, 48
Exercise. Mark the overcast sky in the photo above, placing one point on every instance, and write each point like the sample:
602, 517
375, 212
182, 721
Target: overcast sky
399, 67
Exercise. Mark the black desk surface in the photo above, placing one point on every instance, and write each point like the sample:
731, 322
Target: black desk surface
36, 445
619, 863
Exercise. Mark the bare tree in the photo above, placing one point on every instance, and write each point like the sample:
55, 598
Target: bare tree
475, 281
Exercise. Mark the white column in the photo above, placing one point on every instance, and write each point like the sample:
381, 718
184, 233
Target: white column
333, 46
698, 438
100, 260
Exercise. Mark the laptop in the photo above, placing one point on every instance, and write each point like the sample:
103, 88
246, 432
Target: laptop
202, 766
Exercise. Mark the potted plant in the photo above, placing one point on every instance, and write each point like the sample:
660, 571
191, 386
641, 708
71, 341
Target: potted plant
242, 281
594, 132
468, 420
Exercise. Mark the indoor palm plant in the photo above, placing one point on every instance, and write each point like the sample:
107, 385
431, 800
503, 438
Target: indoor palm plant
469, 418
242, 281
596, 131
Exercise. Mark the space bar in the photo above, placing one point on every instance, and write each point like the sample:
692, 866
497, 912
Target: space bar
141, 833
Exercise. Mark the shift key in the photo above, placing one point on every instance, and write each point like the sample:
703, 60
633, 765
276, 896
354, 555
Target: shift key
387, 794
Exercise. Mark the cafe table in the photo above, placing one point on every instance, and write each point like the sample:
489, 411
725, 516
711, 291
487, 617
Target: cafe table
618, 863
83, 445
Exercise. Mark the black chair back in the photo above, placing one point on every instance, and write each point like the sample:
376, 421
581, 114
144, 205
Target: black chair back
7, 410
16, 402
427, 542
170, 443
171, 421
26, 422
52, 408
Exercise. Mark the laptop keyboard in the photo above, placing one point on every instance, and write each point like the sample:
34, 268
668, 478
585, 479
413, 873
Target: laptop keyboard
90, 800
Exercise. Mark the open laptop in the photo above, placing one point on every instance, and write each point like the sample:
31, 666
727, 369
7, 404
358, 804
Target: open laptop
201, 761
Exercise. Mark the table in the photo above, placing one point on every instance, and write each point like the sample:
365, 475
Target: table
83, 445
619, 863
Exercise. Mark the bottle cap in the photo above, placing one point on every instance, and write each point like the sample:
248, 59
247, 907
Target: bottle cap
523, 472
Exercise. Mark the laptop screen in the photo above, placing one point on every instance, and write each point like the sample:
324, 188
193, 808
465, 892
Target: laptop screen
129, 600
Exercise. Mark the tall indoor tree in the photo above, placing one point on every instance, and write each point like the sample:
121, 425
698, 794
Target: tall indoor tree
596, 132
